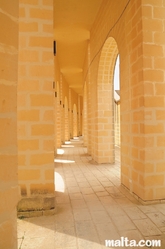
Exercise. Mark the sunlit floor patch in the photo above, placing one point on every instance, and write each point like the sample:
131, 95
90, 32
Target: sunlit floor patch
60, 151
67, 146
76, 138
59, 183
67, 142
63, 161
91, 207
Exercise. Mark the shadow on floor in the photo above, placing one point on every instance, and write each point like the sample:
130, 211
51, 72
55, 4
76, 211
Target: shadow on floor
92, 207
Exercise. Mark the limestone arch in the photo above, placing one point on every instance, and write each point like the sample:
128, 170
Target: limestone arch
104, 149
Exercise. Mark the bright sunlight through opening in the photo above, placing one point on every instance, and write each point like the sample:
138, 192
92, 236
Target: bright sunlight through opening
59, 183
60, 151
63, 161
67, 142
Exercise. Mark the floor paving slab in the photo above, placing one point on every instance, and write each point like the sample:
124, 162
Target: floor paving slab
147, 227
91, 208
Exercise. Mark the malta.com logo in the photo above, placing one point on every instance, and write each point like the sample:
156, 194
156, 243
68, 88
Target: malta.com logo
125, 242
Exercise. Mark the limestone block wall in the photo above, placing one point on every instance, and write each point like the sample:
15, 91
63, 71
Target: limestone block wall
80, 114
8, 123
107, 40
64, 113
70, 114
87, 99
57, 99
57, 117
152, 157
85, 116
64, 109
138, 30
117, 123
36, 106
74, 113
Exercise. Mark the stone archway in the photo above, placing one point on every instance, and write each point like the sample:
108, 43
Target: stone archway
104, 149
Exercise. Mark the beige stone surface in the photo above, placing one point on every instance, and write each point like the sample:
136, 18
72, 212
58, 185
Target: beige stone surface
84, 220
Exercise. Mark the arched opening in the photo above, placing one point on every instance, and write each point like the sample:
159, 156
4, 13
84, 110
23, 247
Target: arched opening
105, 149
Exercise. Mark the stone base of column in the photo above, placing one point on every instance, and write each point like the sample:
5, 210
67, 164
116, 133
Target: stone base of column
139, 199
36, 206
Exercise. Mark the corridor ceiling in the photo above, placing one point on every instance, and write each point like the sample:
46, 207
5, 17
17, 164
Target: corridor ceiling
73, 20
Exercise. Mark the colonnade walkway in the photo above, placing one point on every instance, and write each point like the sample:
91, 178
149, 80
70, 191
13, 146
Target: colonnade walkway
91, 207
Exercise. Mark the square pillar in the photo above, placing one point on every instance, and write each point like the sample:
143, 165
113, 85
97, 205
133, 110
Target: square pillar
36, 108
8, 123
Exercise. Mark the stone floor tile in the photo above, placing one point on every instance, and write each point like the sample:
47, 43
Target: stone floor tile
132, 235
114, 210
98, 188
78, 204
102, 193
90, 197
134, 213
147, 227
107, 231
61, 218
100, 217
65, 235
160, 207
84, 233
86, 190
75, 196
72, 184
82, 179
81, 214
102, 178
73, 190
19, 242
70, 178
22, 227
86, 244
83, 184
66, 247
38, 243
92, 178
107, 200
95, 206
63, 239
123, 223
125, 202
114, 192
102, 210
107, 183
147, 209
157, 218
61, 194
62, 199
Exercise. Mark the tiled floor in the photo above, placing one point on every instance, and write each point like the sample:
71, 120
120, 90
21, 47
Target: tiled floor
91, 207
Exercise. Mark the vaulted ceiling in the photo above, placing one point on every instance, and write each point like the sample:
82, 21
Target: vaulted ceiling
73, 20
